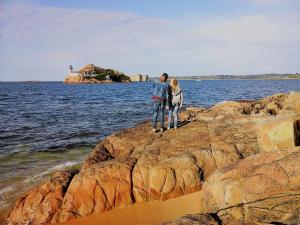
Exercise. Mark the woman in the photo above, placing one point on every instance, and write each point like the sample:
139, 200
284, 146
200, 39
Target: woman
176, 101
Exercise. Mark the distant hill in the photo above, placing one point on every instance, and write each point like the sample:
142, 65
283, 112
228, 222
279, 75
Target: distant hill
242, 77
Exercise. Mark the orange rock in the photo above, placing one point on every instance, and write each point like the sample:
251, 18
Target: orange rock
97, 188
201, 219
42, 202
279, 133
263, 188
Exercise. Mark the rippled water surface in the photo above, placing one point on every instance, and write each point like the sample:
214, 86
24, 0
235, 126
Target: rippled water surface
48, 126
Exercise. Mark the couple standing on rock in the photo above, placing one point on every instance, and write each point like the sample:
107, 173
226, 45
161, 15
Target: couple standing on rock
169, 95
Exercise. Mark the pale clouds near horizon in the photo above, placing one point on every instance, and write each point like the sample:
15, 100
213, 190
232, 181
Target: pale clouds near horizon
39, 42
272, 1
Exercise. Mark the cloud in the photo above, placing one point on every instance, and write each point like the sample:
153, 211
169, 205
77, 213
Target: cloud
270, 2
39, 42
265, 2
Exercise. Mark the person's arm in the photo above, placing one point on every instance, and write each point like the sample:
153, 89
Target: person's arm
181, 99
154, 86
168, 97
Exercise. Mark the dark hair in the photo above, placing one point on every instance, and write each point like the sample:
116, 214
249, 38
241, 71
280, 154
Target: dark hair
165, 75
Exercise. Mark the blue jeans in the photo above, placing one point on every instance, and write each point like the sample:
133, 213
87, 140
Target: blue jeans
173, 110
159, 108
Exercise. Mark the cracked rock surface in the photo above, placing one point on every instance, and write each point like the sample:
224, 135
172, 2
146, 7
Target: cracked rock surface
262, 189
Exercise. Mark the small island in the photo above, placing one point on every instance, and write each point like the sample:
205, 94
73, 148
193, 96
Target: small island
95, 74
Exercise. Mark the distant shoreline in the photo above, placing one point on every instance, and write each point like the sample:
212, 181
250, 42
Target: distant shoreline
193, 78
178, 78
292, 76
151, 79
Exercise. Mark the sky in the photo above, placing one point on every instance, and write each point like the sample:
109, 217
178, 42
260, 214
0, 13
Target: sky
39, 39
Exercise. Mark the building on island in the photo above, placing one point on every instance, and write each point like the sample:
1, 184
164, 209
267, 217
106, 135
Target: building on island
139, 78
71, 69
88, 70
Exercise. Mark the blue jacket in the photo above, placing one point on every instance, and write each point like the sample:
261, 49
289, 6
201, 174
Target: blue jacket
161, 90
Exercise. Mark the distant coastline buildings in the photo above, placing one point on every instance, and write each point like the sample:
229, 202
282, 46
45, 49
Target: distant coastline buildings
139, 78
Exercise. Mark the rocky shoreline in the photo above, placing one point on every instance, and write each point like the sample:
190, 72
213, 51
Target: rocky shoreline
81, 80
242, 157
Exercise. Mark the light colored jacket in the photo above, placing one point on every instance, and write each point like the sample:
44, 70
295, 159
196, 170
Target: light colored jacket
177, 97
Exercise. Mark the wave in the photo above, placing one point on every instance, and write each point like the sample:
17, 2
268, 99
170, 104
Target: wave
51, 170
6, 189
4, 203
8, 194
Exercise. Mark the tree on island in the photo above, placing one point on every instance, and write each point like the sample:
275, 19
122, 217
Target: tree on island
90, 71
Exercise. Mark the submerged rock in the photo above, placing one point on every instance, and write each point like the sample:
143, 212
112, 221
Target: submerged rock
217, 148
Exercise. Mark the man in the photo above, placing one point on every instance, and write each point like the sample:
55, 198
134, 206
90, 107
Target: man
160, 98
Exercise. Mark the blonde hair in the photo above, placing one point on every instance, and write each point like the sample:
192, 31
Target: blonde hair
174, 84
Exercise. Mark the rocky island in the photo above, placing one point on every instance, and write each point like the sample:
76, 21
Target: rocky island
91, 74
94, 74
240, 159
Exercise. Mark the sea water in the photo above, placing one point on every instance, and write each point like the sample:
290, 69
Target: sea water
50, 126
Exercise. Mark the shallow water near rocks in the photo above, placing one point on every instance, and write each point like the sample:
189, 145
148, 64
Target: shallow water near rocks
50, 126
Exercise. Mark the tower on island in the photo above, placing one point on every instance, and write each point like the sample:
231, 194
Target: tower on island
71, 69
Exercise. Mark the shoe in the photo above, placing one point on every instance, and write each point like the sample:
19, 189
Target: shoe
169, 128
162, 129
175, 127
154, 130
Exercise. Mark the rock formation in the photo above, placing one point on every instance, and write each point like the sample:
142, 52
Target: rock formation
42, 202
78, 79
95, 74
241, 155
262, 189
195, 219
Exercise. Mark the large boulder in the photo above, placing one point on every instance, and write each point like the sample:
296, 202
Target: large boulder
100, 187
42, 202
264, 188
279, 133
271, 105
156, 165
